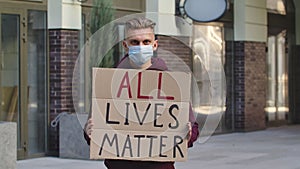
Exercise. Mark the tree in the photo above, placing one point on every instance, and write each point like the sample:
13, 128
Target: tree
102, 14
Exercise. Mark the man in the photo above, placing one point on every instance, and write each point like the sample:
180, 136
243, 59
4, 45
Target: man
139, 45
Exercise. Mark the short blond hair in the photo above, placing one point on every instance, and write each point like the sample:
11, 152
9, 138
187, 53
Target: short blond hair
139, 23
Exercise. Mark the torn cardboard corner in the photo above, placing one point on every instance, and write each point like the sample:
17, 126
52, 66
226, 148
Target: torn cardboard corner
140, 115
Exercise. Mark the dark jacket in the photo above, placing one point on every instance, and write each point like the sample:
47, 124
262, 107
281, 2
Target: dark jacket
157, 64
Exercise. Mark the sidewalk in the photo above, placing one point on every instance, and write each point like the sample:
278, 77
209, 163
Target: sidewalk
276, 148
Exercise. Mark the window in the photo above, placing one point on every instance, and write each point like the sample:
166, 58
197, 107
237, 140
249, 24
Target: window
277, 106
10, 68
37, 81
208, 43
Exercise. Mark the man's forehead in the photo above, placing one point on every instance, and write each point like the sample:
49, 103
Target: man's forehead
136, 33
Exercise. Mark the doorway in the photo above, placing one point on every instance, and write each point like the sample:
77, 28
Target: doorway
277, 105
281, 33
23, 77
10, 78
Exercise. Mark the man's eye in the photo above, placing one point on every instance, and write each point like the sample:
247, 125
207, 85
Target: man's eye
134, 42
146, 42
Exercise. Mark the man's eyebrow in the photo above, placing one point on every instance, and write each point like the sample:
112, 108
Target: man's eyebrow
149, 39
133, 40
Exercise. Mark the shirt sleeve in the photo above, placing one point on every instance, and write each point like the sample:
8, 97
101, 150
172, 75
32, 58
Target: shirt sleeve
195, 131
87, 138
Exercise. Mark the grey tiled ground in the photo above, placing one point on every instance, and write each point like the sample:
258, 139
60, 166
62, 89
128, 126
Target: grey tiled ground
276, 148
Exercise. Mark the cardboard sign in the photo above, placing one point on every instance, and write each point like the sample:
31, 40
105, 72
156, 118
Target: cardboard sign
140, 115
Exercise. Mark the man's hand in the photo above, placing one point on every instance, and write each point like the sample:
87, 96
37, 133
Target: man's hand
88, 127
189, 134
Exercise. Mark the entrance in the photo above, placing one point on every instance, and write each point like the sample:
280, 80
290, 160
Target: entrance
277, 106
281, 32
23, 77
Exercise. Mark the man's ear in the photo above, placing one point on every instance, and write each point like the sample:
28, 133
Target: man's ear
125, 46
155, 45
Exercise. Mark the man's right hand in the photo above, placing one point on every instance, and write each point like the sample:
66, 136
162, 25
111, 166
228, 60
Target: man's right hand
88, 127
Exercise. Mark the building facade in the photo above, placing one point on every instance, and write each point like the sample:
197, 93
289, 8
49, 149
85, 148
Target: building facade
257, 42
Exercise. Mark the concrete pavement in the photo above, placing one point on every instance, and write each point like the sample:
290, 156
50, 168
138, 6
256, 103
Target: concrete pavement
276, 148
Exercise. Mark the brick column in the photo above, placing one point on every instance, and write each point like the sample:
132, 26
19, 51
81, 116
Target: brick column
63, 55
228, 67
249, 85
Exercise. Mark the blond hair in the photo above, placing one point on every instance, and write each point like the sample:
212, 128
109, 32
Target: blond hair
139, 23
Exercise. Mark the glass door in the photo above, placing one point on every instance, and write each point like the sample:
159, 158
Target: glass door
36, 69
23, 75
208, 42
277, 94
12, 93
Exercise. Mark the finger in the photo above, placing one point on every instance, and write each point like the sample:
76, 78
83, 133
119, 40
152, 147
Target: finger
89, 132
90, 125
189, 134
189, 125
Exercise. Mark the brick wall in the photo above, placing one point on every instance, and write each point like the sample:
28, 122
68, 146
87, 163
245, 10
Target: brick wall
174, 52
250, 83
239, 85
63, 54
228, 67
255, 85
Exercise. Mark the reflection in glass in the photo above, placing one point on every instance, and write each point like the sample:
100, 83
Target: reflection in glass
277, 93
10, 54
208, 44
276, 6
37, 82
81, 103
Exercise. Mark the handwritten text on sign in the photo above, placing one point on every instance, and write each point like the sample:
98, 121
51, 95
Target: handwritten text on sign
140, 115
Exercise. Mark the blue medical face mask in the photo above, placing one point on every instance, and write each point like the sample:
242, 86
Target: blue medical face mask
139, 55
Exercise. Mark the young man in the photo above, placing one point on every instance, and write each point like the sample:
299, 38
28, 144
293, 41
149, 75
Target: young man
139, 46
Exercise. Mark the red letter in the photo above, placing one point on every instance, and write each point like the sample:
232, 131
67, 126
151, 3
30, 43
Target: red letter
125, 84
159, 90
139, 88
